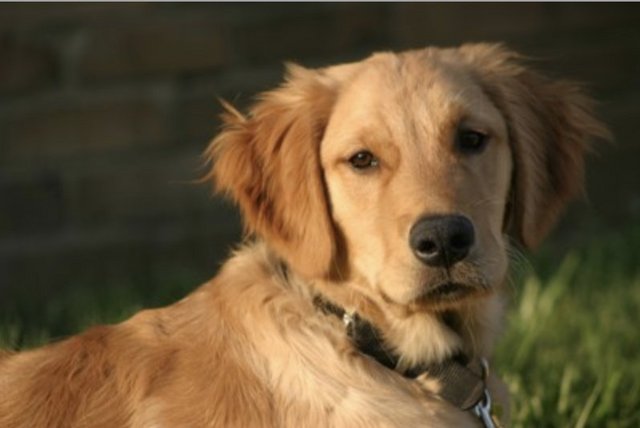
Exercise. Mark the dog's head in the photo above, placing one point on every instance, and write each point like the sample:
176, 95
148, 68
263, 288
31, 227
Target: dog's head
405, 173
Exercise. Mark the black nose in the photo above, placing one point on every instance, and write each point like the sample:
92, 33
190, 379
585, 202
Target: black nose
441, 240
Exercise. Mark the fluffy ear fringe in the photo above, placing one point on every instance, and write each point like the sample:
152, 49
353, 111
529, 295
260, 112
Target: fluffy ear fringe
268, 164
550, 124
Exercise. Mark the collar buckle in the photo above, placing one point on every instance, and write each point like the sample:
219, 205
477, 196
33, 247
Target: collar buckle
483, 410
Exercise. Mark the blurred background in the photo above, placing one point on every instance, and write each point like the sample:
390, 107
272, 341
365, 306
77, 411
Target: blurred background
105, 109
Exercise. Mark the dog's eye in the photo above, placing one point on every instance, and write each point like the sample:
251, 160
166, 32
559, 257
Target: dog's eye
471, 141
364, 159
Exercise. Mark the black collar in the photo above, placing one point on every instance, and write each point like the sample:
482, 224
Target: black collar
462, 380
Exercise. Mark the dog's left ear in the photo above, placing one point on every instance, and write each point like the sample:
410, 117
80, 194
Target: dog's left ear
269, 164
549, 124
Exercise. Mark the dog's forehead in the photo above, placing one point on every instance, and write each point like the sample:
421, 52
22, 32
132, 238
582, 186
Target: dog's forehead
409, 75
426, 91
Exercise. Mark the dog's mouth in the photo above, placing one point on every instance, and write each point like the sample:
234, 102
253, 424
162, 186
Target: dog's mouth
448, 291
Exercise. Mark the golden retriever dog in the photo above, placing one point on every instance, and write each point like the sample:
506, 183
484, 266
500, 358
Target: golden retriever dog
380, 198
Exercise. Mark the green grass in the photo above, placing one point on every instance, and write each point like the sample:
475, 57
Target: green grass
570, 354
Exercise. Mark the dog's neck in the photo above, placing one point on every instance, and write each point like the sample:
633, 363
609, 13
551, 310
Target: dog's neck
431, 344
369, 340
460, 380
417, 338
428, 337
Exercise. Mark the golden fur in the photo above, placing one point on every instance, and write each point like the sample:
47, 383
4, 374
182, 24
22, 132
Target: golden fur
248, 348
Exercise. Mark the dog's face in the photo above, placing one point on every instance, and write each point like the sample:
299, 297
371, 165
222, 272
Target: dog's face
417, 165
402, 175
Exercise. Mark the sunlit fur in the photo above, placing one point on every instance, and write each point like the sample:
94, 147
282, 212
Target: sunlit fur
248, 348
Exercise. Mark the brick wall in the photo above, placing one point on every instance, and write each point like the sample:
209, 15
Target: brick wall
104, 109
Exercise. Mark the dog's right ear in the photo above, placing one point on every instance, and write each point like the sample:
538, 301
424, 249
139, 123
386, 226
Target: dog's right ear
269, 164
